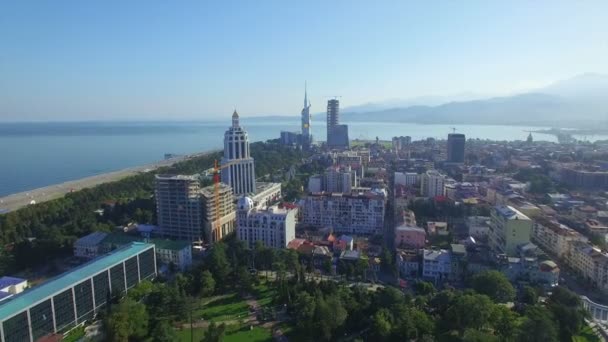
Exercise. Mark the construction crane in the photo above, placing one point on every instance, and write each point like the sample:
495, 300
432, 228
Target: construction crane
335, 97
453, 129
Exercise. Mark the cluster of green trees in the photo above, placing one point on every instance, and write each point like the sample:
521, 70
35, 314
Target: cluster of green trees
30, 236
328, 311
540, 183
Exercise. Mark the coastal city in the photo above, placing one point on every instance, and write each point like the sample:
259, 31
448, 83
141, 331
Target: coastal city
513, 220
325, 171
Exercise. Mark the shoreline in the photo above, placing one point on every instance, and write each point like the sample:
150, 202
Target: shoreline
22, 199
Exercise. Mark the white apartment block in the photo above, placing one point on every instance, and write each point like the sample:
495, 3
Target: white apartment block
436, 264
590, 262
406, 178
432, 183
356, 213
274, 226
554, 236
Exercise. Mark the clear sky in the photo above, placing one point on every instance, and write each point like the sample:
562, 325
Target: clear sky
87, 60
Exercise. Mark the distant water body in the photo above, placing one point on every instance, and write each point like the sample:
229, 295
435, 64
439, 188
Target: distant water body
34, 155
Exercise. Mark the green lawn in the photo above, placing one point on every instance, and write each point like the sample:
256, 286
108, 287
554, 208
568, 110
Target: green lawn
264, 294
227, 308
586, 335
233, 334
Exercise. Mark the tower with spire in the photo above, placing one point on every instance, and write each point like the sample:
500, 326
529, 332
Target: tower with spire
306, 135
238, 168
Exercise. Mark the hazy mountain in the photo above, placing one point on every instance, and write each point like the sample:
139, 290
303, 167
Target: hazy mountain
573, 102
431, 100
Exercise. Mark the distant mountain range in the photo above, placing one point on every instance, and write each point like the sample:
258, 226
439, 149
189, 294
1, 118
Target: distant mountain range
581, 101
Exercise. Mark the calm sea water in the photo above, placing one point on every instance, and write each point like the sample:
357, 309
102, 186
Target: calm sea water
34, 155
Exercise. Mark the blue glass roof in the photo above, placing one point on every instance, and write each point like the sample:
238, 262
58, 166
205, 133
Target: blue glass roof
66, 280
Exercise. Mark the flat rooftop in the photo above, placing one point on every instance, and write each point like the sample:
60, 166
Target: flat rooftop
66, 280
511, 213
178, 177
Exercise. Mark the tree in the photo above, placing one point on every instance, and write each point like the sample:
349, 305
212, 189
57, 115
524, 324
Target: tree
469, 311
382, 324
495, 285
505, 323
214, 333
567, 310
128, 320
207, 284
219, 265
424, 288
162, 331
529, 295
472, 335
538, 325
243, 280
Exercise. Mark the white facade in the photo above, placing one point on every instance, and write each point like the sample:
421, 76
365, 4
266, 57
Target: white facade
174, 252
238, 169
340, 180
436, 264
432, 183
87, 247
352, 213
406, 178
266, 194
554, 236
478, 226
274, 226
315, 184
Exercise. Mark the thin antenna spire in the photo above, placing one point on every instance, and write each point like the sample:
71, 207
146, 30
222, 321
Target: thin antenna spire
305, 95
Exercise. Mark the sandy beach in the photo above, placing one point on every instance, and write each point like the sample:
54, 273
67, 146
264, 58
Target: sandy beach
19, 200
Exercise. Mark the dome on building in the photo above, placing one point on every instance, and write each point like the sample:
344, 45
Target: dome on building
244, 203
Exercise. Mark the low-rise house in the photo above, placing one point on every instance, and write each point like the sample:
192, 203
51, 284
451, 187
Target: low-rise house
436, 265
458, 260
439, 228
87, 247
410, 236
478, 226
174, 252
408, 263
584, 212
10, 286
595, 227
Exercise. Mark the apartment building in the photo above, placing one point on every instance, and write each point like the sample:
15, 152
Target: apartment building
509, 228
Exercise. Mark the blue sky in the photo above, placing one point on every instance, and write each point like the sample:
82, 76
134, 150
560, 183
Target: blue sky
86, 60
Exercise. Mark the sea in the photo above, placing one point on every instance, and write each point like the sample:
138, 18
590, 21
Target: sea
34, 155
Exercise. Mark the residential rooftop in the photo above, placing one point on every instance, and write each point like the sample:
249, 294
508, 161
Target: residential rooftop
66, 280
510, 213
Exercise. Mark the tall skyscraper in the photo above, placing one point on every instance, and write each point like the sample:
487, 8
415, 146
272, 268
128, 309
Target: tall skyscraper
337, 135
456, 143
178, 207
333, 116
306, 135
238, 168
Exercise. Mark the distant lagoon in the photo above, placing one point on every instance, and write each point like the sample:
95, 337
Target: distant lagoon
41, 154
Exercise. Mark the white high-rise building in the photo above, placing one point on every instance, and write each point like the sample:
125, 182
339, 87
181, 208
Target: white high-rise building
274, 226
431, 183
238, 169
360, 214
